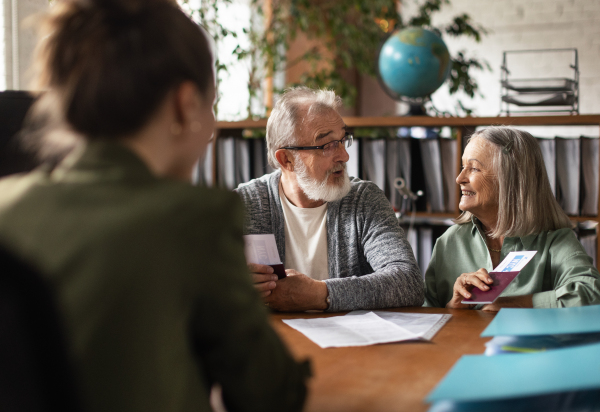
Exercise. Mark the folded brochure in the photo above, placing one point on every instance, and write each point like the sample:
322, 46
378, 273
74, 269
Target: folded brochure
262, 249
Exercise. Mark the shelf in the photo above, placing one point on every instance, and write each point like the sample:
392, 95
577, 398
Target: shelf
426, 121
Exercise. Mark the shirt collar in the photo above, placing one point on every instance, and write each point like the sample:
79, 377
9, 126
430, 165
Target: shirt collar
526, 241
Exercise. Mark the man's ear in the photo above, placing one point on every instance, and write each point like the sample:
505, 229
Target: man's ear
285, 159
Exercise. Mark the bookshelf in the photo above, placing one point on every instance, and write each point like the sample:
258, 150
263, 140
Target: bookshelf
464, 127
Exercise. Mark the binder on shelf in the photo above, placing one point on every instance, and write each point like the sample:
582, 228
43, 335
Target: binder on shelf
398, 164
449, 166
259, 158
548, 148
226, 162
353, 165
589, 241
432, 168
373, 161
425, 247
589, 176
568, 164
242, 161
205, 168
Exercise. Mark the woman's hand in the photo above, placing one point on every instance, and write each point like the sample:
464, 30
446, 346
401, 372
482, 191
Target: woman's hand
463, 285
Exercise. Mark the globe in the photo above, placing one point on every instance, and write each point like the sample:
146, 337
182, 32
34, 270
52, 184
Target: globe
413, 63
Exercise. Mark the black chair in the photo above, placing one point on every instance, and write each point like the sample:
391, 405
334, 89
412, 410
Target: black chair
35, 371
14, 106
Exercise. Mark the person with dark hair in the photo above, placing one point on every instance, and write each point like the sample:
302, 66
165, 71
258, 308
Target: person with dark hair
508, 206
148, 271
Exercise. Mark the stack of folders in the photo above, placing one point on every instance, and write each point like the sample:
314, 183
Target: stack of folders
538, 360
572, 166
238, 160
426, 162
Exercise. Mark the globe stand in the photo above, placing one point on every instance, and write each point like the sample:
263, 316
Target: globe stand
417, 110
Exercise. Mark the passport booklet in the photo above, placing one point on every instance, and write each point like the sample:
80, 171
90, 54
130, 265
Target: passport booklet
502, 276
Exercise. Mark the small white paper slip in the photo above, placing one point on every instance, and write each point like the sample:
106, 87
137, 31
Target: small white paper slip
359, 330
261, 249
515, 261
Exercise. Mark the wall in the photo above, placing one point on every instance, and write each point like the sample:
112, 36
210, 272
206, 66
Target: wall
519, 25
17, 61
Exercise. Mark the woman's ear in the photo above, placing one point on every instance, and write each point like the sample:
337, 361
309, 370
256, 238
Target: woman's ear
186, 104
285, 159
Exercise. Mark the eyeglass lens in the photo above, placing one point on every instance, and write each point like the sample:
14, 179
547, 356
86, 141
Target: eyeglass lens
330, 148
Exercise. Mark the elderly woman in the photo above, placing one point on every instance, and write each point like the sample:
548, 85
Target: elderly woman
508, 206
148, 270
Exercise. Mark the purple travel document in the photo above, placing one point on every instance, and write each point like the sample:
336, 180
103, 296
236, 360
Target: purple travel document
501, 281
279, 270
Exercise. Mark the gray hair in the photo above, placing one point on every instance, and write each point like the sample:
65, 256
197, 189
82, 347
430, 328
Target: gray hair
294, 107
526, 204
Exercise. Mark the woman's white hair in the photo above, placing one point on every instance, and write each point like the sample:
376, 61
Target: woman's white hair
294, 107
526, 204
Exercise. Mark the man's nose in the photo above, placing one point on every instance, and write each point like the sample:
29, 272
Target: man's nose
341, 154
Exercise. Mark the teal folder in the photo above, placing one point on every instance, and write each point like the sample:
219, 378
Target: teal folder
521, 322
480, 377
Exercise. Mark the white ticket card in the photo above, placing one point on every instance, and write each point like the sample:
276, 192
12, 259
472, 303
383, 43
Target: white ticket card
515, 261
261, 249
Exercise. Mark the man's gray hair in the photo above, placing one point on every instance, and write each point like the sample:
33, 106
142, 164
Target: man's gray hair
295, 106
526, 204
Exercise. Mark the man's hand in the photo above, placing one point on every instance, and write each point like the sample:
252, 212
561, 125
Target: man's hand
297, 293
463, 285
263, 278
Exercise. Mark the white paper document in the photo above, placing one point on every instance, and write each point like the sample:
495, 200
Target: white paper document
261, 249
515, 261
358, 330
423, 325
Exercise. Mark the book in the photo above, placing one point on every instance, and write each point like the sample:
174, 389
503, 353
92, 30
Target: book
518, 375
551, 321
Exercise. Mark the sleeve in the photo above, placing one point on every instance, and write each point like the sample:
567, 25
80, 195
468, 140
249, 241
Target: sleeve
431, 297
232, 338
575, 280
396, 280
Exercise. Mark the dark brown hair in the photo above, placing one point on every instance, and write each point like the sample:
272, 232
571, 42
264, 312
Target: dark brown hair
106, 65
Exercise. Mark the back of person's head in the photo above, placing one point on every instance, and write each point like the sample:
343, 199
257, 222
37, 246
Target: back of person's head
295, 106
105, 66
526, 202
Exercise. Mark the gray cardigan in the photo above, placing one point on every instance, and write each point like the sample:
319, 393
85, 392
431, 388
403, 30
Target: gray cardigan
371, 264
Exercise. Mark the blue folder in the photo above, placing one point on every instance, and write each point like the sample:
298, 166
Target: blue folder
481, 378
521, 322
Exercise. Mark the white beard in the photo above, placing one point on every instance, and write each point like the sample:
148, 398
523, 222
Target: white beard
322, 190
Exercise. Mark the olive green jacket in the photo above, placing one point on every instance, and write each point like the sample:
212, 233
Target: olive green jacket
152, 284
560, 274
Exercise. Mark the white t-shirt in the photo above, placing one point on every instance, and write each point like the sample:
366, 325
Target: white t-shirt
305, 239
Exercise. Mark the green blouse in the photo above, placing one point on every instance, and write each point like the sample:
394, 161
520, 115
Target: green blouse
561, 274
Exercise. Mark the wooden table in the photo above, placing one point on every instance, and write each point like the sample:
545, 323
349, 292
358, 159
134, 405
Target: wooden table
388, 377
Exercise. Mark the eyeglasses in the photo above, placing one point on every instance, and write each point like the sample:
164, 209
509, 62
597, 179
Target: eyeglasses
328, 148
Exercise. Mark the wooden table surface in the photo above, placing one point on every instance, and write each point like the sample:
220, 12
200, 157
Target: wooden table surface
388, 377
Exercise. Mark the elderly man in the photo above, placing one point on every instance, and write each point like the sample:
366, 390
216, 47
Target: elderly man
338, 237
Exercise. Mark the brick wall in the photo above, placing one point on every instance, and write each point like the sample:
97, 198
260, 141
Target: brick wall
528, 24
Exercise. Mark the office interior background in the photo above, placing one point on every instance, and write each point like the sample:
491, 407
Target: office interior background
511, 25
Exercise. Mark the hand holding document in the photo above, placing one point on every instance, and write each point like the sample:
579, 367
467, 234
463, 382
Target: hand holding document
262, 249
502, 276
